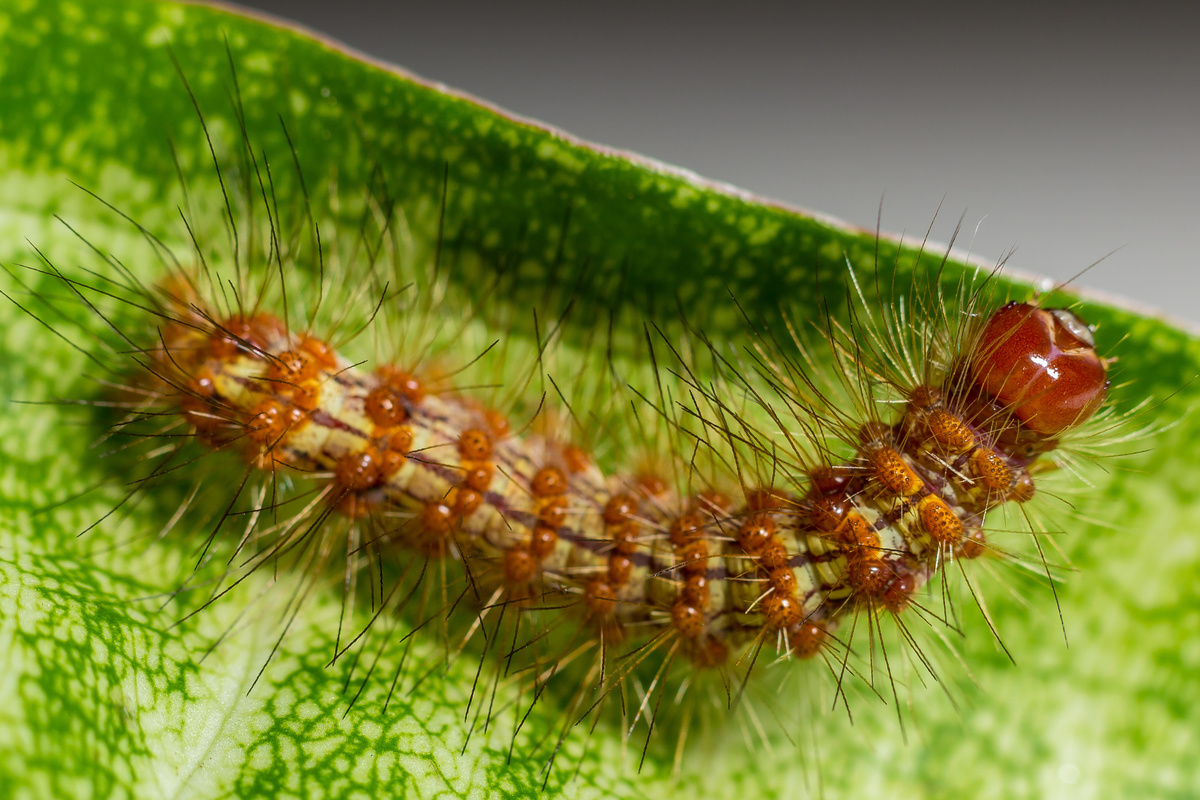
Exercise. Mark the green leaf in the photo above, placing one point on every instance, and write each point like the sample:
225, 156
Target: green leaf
102, 693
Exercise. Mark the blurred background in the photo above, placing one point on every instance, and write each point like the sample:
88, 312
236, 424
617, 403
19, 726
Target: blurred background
1063, 133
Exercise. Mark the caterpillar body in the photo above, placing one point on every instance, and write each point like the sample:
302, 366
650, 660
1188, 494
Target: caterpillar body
438, 476
735, 551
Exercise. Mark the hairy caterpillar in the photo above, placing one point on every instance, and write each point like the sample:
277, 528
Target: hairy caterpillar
736, 549
295, 294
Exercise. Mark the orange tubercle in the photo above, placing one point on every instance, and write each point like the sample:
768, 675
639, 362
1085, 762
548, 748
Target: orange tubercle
520, 566
807, 639
548, 481
619, 508
385, 406
939, 520
475, 445
894, 473
687, 619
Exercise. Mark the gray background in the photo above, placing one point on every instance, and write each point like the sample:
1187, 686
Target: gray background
1065, 133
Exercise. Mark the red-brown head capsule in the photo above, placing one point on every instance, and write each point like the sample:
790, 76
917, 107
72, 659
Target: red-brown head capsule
1041, 363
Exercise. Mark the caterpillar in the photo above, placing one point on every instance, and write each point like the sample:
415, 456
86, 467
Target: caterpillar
733, 422
435, 476
430, 477
738, 549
